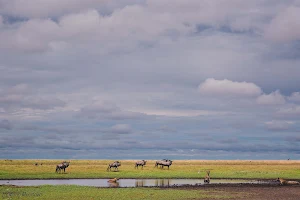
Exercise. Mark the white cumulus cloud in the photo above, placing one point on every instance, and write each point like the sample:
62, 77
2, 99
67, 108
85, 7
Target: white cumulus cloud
285, 26
295, 96
227, 87
274, 98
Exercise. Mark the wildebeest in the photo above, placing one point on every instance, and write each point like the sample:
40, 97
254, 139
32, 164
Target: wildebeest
140, 163
163, 163
159, 161
207, 177
285, 182
115, 164
62, 166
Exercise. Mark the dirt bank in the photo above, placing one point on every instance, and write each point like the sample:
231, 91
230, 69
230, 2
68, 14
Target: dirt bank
253, 192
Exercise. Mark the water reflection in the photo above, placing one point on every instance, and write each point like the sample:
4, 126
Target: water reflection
153, 182
115, 184
162, 182
139, 183
126, 182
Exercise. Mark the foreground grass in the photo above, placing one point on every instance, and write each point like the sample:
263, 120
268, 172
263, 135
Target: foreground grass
26, 169
80, 192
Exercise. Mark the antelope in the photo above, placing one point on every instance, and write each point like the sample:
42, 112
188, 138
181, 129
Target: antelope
114, 180
207, 177
285, 182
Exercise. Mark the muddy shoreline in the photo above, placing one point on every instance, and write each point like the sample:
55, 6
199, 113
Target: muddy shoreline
251, 191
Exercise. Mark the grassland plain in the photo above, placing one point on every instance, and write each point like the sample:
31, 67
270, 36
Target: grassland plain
82, 192
252, 169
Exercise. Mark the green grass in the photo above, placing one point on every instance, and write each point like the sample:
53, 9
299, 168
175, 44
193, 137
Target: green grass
81, 192
25, 169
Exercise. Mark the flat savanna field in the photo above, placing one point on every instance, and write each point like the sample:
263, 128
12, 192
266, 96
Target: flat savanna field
26, 169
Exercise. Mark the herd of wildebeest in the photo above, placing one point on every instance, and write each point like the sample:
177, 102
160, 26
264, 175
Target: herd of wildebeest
162, 163
116, 164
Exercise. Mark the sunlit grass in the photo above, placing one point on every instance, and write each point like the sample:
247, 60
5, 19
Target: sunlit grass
26, 169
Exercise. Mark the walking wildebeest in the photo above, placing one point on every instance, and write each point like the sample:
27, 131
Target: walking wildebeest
62, 166
285, 182
115, 164
163, 163
207, 177
140, 163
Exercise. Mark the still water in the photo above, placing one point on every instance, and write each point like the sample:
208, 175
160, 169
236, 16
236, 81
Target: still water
125, 182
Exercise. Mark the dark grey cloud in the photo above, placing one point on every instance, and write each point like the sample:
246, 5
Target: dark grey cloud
289, 112
277, 125
178, 149
21, 96
293, 139
43, 103
5, 124
55, 132
121, 129
107, 110
54, 8
166, 129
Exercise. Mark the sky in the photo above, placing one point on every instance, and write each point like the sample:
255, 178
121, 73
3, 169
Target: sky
150, 79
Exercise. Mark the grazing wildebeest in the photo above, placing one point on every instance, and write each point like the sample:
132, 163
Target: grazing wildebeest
140, 163
285, 182
62, 166
159, 161
36, 164
163, 163
115, 164
207, 177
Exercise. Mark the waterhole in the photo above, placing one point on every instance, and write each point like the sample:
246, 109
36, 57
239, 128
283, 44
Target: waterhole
127, 182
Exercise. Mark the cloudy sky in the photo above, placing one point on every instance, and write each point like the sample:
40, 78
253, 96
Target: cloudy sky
150, 79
